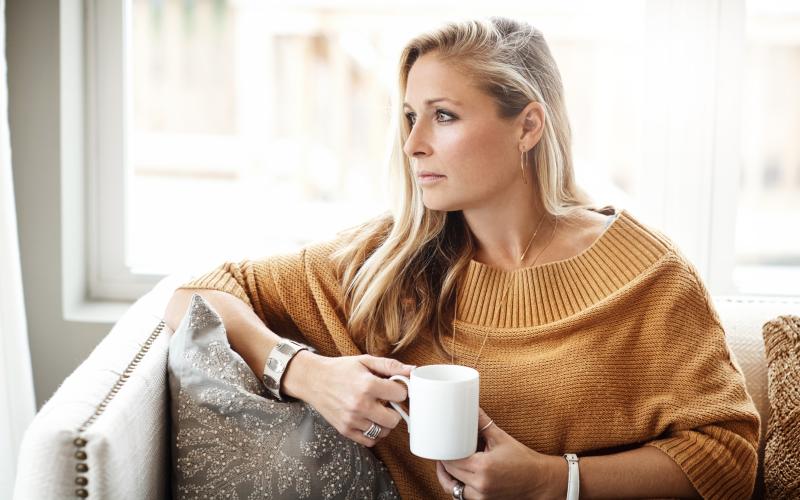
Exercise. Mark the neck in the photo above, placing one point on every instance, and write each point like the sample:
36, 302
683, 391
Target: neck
502, 231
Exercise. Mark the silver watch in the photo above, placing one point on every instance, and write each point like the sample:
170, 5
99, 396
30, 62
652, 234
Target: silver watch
276, 364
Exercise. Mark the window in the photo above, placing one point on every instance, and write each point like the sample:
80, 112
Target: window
767, 236
232, 129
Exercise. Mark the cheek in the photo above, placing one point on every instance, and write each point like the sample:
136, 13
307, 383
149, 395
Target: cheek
479, 157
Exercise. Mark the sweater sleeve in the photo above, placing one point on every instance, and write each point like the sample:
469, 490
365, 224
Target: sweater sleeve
719, 460
266, 285
713, 431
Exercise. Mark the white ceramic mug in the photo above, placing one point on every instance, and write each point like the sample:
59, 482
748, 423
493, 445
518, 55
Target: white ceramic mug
443, 403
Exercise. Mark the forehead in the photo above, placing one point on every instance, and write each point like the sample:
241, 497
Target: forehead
430, 78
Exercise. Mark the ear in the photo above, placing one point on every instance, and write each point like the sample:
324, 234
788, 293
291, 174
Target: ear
531, 124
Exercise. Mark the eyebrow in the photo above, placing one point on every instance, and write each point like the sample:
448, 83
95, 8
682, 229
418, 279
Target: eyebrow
434, 100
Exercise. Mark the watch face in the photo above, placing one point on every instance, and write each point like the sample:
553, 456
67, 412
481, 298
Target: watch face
285, 348
275, 365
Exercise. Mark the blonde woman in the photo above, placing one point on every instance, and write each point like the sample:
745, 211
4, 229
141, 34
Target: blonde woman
592, 333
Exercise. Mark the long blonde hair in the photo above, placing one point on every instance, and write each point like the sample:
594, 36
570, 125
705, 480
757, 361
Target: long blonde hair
399, 271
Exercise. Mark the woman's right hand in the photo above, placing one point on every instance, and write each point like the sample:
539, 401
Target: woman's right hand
349, 392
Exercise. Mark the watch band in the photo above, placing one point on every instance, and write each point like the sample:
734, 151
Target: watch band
573, 480
275, 366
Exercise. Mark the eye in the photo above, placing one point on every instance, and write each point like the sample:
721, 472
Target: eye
441, 112
410, 117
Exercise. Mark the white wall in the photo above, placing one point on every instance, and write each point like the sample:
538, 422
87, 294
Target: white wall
33, 31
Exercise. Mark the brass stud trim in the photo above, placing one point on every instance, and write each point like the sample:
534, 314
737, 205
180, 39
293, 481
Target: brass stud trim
80, 441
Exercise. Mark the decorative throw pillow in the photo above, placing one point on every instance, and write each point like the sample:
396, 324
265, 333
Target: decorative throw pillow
782, 448
232, 439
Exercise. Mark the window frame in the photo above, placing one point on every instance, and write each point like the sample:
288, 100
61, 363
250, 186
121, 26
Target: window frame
108, 97
700, 218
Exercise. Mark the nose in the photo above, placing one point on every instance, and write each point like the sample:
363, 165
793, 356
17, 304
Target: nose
416, 146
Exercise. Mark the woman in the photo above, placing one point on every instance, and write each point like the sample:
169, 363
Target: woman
592, 333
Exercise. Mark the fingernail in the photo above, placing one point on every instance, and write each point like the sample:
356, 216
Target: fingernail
411, 366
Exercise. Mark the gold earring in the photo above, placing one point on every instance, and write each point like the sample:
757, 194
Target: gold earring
522, 163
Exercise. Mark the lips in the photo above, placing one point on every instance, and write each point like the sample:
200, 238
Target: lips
428, 174
428, 178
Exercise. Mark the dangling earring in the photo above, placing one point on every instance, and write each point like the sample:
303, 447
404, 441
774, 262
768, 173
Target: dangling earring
522, 163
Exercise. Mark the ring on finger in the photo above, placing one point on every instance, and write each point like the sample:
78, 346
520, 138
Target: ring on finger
373, 431
458, 491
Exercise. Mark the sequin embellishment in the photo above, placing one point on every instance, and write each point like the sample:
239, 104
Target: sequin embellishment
231, 439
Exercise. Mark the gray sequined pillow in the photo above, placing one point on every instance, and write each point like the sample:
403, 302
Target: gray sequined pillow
232, 439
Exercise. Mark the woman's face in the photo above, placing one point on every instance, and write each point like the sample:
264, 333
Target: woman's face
461, 139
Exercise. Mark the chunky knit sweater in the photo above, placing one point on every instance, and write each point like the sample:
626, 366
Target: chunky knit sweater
615, 348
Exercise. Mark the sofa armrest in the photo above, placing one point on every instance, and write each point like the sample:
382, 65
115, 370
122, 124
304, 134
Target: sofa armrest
105, 431
743, 319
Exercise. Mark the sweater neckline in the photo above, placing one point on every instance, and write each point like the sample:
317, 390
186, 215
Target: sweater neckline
555, 290
615, 214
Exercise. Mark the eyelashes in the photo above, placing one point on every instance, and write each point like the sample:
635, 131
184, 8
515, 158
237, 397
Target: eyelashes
439, 112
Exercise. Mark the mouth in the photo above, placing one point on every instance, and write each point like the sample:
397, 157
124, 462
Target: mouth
428, 173
430, 178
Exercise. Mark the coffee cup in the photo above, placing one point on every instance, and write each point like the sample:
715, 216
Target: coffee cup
442, 416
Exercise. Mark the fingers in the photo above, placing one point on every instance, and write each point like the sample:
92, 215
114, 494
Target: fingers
459, 468
385, 366
385, 431
375, 412
374, 383
387, 390
385, 417
483, 418
487, 429
357, 434
445, 479
381, 415
363, 395
448, 481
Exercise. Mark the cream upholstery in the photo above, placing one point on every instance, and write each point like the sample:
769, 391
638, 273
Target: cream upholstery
117, 401
743, 320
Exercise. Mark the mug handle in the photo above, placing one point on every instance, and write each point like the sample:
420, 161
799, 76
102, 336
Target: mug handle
403, 379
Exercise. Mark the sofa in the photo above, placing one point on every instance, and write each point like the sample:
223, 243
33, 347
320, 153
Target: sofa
105, 431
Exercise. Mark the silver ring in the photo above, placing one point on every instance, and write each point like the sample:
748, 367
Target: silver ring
373, 431
458, 491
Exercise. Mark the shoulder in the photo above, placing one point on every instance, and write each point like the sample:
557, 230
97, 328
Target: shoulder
587, 228
670, 264
355, 242
637, 233
633, 247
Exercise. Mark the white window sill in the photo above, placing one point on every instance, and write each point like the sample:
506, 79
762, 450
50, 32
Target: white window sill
96, 311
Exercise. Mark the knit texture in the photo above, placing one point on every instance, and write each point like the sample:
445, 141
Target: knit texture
614, 348
782, 447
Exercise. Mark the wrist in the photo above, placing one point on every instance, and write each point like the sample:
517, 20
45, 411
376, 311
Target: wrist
295, 381
558, 477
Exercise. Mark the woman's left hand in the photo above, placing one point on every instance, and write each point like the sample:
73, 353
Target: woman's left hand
506, 468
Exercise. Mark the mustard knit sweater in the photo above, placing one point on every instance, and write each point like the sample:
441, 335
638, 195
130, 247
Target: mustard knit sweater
614, 348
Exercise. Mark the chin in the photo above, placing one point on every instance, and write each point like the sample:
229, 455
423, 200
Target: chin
439, 205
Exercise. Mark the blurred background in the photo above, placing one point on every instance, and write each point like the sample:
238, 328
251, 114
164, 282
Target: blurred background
277, 118
153, 137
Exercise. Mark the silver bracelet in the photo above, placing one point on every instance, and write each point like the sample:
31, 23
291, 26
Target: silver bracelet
276, 364
573, 480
